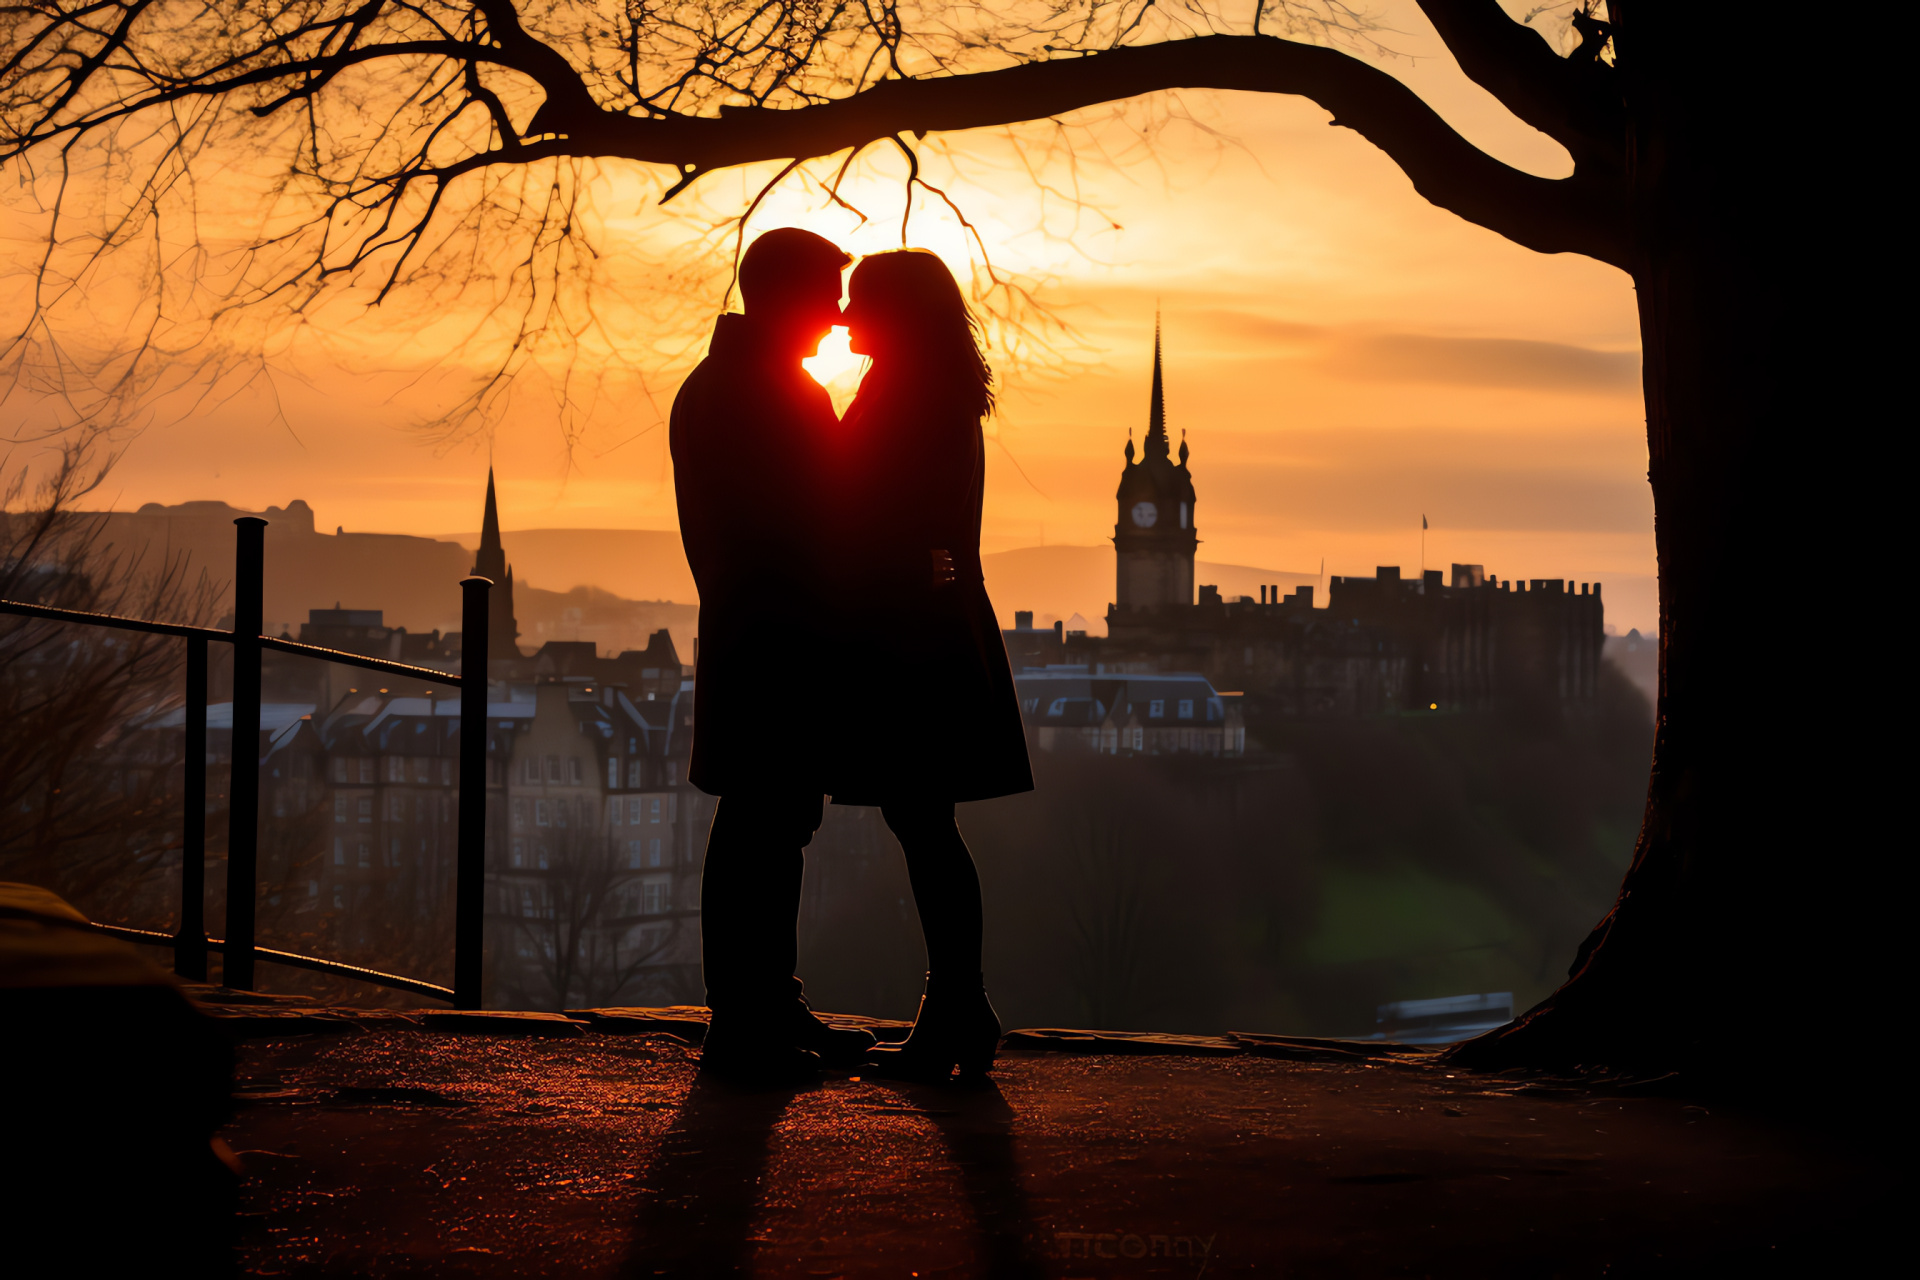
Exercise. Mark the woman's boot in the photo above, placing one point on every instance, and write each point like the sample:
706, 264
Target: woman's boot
955, 1029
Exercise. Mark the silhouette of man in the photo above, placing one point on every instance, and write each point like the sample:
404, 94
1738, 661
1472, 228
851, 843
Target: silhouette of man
749, 428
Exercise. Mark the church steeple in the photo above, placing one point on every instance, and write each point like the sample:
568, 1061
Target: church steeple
490, 561
1157, 446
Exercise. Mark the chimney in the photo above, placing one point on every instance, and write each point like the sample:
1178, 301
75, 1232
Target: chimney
1059, 631
1387, 572
1263, 593
1305, 595
1023, 619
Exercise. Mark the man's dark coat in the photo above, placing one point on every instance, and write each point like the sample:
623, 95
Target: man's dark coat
748, 431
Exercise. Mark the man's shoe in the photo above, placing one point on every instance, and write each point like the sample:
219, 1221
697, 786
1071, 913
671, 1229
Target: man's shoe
835, 1046
756, 1058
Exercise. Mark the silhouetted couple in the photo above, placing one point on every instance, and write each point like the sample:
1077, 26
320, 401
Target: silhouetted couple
847, 645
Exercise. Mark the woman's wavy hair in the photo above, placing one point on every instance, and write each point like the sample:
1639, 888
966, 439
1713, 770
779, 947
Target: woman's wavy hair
911, 292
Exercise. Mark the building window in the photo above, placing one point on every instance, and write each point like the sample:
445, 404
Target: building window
656, 895
396, 807
540, 856
673, 773
1157, 709
1185, 515
519, 811
614, 811
339, 769
339, 851
366, 808
366, 768
517, 854
562, 812
1057, 706
532, 769
446, 773
633, 812
613, 772
553, 768
574, 774
339, 897
542, 816
1139, 739
1186, 708
339, 808
633, 773
396, 768
1215, 709
393, 851
633, 854
365, 852
423, 769
653, 809
653, 852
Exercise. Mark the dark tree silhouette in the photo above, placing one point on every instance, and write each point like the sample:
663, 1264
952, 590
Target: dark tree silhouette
393, 121
89, 788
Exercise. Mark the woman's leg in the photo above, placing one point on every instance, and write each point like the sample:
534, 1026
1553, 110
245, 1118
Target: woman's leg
946, 886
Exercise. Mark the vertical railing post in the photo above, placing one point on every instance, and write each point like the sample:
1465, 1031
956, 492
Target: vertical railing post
470, 871
243, 791
190, 944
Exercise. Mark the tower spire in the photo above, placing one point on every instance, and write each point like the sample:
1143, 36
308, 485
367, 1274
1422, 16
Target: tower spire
1156, 445
490, 521
490, 561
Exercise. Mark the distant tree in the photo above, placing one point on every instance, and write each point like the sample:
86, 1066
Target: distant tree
89, 785
584, 951
451, 142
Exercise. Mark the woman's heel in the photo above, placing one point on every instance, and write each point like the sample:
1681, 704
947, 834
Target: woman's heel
982, 1040
956, 1027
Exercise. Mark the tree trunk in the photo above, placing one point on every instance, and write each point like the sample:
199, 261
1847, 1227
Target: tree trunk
1722, 933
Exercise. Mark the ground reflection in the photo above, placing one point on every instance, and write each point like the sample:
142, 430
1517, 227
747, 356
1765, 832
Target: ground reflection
704, 1189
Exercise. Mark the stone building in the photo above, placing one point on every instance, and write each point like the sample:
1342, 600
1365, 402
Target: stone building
1437, 642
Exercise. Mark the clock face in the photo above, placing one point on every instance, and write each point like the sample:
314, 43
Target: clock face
1144, 514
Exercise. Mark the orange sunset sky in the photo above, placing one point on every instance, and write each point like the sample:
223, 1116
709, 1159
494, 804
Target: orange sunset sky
1343, 357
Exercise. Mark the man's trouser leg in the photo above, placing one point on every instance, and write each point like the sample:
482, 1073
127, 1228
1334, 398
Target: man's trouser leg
750, 902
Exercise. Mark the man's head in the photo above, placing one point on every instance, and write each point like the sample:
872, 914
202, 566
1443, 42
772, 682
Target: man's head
790, 279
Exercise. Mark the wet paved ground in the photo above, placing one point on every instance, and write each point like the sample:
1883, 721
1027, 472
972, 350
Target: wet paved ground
406, 1152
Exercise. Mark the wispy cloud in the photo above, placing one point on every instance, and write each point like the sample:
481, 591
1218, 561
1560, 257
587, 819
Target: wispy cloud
1362, 355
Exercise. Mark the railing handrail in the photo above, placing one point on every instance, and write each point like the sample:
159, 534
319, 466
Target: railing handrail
292, 959
114, 621
299, 648
191, 943
348, 659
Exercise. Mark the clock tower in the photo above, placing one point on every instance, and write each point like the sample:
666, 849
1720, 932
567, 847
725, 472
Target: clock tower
1154, 540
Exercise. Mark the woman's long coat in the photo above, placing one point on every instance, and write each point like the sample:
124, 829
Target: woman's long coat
929, 710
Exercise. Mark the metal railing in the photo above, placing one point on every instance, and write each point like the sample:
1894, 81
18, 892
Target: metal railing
239, 950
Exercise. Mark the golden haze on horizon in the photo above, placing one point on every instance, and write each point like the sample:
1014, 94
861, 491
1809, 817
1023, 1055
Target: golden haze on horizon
1344, 357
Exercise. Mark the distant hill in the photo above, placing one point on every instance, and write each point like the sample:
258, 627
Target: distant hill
416, 581
639, 564
609, 585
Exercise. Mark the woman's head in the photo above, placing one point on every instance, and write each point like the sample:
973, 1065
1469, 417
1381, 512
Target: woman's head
905, 309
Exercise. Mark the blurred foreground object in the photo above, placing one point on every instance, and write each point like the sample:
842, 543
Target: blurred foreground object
114, 1085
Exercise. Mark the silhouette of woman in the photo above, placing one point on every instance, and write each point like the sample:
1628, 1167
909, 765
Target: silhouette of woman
939, 722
